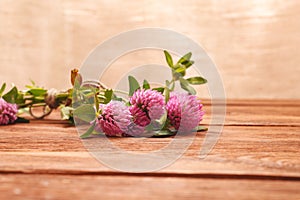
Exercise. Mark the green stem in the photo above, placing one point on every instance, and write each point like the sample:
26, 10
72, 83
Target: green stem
121, 92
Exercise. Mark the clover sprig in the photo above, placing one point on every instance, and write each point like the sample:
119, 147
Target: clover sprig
83, 100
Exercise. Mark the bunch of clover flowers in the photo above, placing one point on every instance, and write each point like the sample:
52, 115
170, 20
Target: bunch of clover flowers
148, 107
116, 119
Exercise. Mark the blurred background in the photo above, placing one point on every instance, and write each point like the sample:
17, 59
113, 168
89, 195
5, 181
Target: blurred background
255, 43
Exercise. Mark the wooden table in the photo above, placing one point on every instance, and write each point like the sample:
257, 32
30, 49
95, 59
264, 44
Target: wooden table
256, 157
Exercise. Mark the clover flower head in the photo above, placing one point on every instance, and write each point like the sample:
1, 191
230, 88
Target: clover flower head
184, 111
8, 112
114, 119
146, 105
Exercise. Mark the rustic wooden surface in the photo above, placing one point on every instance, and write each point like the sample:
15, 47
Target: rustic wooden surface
256, 157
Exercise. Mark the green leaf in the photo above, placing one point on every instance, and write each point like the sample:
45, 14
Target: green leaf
169, 59
186, 57
164, 133
163, 119
2, 88
77, 82
181, 70
172, 86
197, 80
23, 110
116, 98
133, 85
20, 99
168, 83
37, 91
22, 120
66, 112
32, 82
149, 127
89, 131
187, 64
108, 94
85, 112
201, 128
146, 85
185, 85
11, 96
159, 89
62, 96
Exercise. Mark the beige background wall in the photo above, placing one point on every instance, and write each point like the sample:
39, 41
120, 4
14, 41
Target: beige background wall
254, 43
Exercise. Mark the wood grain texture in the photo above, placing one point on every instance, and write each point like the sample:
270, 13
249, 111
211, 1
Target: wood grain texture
16, 186
256, 157
255, 150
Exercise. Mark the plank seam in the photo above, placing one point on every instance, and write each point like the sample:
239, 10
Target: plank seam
161, 174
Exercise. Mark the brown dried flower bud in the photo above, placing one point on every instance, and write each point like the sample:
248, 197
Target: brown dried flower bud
75, 76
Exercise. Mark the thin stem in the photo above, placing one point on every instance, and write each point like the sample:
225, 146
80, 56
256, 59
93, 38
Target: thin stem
121, 92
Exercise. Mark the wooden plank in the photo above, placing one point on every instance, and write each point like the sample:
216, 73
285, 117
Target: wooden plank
240, 150
20, 186
258, 112
259, 102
